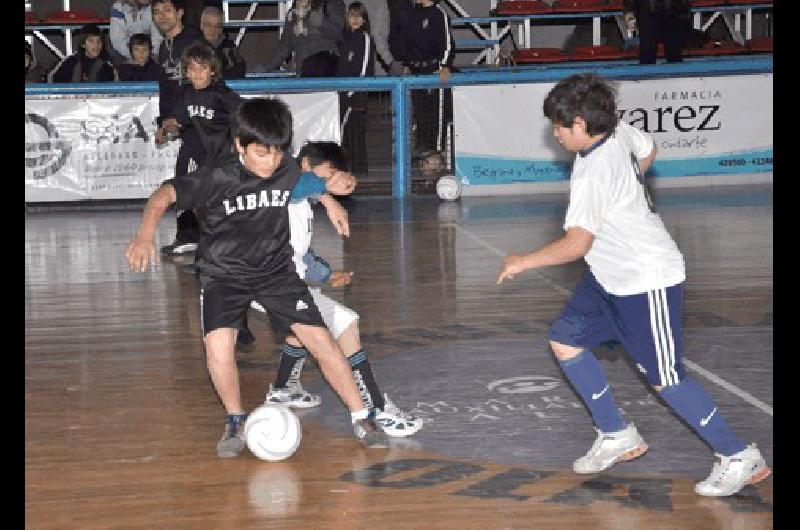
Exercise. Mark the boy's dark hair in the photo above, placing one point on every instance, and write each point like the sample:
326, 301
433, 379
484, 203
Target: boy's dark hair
203, 54
361, 9
266, 121
586, 95
177, 4
140, 39
321, 152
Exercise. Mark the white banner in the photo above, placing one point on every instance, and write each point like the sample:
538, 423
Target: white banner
702, 126
78, 149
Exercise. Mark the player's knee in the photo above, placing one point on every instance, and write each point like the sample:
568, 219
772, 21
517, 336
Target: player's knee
564, 352
291, 340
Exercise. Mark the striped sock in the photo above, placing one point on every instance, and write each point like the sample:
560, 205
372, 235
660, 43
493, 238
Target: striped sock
365, 381
589, 380
291, 365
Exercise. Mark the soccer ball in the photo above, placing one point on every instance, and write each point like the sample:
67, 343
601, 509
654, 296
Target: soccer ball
448, 188
272, 432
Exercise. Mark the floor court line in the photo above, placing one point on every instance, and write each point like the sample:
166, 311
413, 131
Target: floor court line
733, 389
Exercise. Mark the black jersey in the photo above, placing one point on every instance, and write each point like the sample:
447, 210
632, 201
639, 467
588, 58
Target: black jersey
208, 114
427, 36
356, 54
169, 57
244, 220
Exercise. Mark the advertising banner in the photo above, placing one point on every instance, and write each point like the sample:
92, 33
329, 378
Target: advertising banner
103, 148
701, 126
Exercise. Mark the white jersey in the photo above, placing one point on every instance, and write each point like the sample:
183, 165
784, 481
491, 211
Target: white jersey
632, 251
301, 226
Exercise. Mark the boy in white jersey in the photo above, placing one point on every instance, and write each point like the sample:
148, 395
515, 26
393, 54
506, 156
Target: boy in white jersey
633, 290
325, 159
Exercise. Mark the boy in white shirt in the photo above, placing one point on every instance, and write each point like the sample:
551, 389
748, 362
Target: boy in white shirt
633, 291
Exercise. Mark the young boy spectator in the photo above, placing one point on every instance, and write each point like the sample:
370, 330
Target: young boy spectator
326, 159
245, 255
141, 66
89, 64
356, 59
633, 290
311, 35
128, 18
211, 24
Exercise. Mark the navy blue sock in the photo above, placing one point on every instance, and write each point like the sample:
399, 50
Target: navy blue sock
692, 403
292, 359
589, 379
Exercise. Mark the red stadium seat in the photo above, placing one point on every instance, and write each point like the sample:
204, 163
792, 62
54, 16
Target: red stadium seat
738, 2
539, 55
708, 3
763, 44
522, 7
585, 6
30, 18
76, 16
591, 53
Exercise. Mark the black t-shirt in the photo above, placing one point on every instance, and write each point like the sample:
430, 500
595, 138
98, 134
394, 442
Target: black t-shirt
244, 220
172, 75
208, 114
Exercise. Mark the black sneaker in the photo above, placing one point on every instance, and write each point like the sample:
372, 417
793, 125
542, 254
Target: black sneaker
369, 433
179, 247
245, 340
232, 442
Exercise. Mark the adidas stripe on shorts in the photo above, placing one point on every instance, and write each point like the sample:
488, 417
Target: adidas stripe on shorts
648, 325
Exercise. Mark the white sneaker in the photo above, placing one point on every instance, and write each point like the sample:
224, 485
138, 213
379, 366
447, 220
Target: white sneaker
292, 396
395, 422
610, 448
732, 473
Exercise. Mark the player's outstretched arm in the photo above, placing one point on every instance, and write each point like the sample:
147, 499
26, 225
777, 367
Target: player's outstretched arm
573, 245
141, 249
337, 214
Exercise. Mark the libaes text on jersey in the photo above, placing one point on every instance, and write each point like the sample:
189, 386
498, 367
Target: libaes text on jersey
251, 201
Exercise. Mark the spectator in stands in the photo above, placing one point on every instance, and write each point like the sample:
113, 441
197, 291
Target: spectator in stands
141, 67
379, 25
356, 59
665, 21
429, 49
168, 16
193, 11
127, 18
89, 64
399, 18
33, 72
211, 24
311, 34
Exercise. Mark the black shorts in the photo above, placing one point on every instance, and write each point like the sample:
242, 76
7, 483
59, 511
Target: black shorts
286, 299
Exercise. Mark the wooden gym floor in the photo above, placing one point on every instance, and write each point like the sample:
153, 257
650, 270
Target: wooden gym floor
121, 419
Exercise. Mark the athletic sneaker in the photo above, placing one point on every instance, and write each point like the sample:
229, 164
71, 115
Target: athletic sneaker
610, 448
245, 340
179, 247
293, 395
232, 441
369, 433
732, 473
396, 422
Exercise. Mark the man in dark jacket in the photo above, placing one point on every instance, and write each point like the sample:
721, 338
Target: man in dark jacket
211, 24
89, 64
657, 21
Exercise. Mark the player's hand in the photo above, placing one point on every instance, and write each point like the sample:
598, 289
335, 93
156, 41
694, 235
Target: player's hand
512, 266
139, 253
340, 278
161, 136
341, 183
171, 126
337, 214
444, 74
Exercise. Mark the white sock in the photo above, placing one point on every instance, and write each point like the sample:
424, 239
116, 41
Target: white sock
358, 415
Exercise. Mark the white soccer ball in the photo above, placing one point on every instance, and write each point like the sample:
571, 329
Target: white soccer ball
448, 188
272, 432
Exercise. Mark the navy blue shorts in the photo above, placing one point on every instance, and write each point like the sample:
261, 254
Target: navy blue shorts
648, 325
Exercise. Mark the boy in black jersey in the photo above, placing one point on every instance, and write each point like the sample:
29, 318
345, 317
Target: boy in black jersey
244, 254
